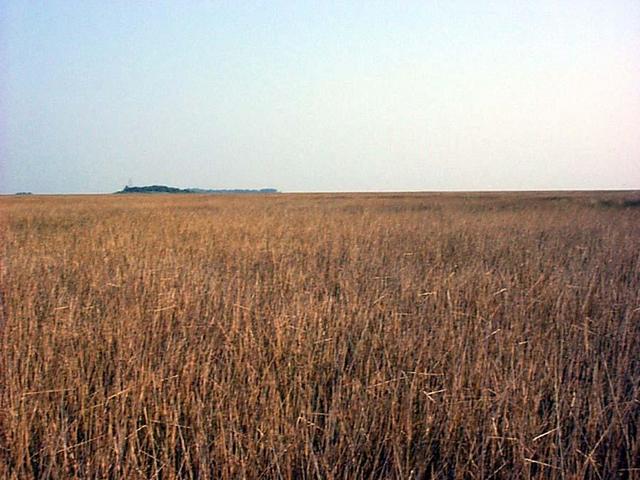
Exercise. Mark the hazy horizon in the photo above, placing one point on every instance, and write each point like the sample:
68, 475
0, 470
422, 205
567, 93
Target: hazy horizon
320, 97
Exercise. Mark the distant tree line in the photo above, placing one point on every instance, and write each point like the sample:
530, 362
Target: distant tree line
166, 189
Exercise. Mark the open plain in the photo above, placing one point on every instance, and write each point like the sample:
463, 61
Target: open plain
322, 336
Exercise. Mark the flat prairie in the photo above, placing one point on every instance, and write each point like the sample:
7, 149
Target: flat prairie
324, 336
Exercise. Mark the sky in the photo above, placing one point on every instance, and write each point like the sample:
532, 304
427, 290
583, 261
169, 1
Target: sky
319, 95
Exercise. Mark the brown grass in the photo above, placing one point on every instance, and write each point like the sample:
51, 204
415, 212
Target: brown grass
319, 336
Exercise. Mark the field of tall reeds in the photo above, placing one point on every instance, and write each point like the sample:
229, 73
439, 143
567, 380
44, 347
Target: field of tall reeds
320, 336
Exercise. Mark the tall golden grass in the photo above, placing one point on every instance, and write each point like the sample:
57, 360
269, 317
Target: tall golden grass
320, 336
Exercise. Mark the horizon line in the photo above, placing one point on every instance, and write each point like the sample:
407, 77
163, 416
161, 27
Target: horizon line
238, 191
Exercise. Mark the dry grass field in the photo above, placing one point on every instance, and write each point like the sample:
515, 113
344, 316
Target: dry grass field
320, 336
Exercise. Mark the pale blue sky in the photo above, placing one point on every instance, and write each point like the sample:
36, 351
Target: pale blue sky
320, 96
